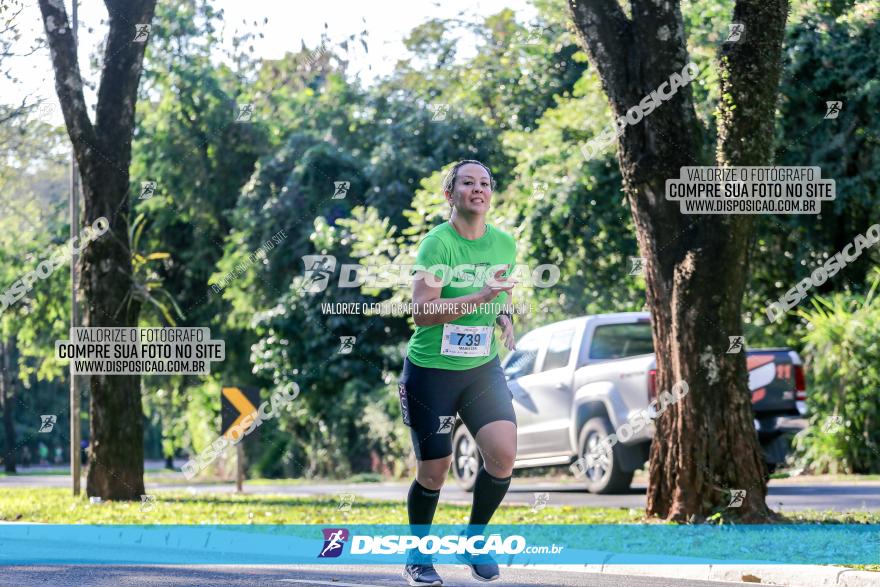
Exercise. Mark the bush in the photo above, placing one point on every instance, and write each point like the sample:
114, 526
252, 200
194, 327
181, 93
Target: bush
843, 340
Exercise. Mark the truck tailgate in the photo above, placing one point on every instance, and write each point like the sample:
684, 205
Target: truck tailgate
772, 380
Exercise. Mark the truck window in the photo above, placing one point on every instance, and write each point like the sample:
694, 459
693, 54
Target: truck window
558, 350
522, 360
617, 341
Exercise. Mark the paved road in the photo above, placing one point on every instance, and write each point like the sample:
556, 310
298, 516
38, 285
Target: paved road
784, 494
343, 576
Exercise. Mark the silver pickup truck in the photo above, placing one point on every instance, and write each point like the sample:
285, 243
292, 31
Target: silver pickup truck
575, 382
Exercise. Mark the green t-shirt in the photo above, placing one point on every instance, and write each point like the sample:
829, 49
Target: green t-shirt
461, 262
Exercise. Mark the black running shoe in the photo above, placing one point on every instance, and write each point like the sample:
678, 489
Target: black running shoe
421, 574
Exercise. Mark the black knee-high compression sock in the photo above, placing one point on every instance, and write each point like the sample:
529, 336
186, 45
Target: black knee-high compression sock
488, 493
421, 503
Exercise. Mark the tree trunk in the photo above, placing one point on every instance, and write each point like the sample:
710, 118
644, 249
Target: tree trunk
103, 154
116, 429
705, 445
7, 403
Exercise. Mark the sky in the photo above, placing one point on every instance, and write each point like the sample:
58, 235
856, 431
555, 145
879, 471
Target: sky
290, 23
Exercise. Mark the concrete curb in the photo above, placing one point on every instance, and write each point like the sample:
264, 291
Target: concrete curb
851, 578
812, 575
764, 574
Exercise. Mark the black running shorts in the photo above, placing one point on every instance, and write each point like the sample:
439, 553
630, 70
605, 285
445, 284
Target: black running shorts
430, 399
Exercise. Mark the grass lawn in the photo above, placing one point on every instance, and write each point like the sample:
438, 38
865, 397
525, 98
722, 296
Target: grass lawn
57, 506
811, 479
31, 471
169, 478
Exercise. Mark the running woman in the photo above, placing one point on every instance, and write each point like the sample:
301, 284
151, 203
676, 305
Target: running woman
452, 364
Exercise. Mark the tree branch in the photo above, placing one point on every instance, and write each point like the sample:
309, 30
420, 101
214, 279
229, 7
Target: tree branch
659, 29
662, 52
68, 82
606, 34
123, 59
750, 70
8, 114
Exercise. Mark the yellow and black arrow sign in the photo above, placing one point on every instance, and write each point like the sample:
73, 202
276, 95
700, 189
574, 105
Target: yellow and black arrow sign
235, 404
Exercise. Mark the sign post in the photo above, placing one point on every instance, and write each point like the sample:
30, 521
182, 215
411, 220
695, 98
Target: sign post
73, 202
239, 468
235, 405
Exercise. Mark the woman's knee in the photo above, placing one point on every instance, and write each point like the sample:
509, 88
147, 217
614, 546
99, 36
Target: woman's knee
497, 442
499, 462
431, 474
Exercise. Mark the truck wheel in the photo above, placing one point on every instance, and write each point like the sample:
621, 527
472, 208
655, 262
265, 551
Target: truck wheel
466, 458
603, 474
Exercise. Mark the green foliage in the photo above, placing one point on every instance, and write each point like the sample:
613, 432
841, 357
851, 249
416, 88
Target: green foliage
188, 142
571, 212
344, 419
826, 58
844, 392
33, 226
146, 284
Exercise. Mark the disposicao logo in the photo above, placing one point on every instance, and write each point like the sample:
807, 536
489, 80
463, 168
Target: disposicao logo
334, 540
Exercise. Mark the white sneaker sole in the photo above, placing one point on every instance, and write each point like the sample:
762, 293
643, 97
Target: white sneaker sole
474, 574
481, 579
415, 583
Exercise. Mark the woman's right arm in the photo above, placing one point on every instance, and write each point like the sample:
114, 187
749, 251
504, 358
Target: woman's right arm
430, 309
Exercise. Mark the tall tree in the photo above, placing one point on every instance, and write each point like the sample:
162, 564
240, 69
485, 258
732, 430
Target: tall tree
696, 266
103, 154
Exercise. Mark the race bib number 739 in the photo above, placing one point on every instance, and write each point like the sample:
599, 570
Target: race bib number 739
466, 341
